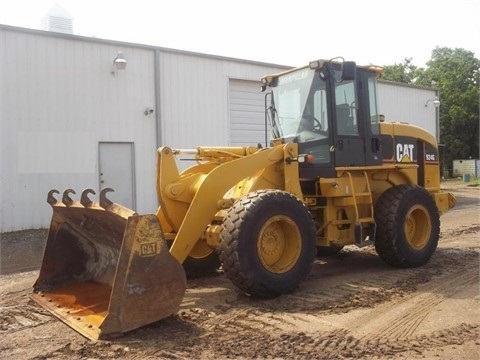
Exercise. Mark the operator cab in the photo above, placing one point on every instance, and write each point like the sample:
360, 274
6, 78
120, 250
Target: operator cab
330, 109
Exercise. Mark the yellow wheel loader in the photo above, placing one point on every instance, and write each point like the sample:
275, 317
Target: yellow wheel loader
334, 173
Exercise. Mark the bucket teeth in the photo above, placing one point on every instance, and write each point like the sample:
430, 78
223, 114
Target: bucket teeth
85, 200
66, 199
104, 202
50, 198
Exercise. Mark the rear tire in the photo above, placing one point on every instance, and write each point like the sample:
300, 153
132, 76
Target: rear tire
267, 243
408, 226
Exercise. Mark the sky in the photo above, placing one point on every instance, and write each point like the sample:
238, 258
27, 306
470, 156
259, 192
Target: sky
294, 32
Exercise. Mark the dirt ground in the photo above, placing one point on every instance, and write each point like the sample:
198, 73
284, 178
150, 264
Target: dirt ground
352, 306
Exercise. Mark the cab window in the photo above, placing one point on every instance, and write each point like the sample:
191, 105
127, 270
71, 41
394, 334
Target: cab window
345, 107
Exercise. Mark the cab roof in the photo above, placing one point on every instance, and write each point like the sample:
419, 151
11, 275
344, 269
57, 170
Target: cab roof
316, 64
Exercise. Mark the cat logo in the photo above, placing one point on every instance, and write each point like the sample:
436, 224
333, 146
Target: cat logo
404, 153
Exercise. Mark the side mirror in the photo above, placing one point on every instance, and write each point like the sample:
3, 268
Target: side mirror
349, 70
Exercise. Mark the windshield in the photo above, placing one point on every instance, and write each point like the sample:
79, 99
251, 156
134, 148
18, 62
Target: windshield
301, 106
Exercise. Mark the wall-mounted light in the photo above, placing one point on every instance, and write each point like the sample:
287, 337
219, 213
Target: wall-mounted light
434, 101
119, 63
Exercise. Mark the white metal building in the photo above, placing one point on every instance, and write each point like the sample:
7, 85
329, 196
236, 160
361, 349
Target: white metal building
408, 103
70, 119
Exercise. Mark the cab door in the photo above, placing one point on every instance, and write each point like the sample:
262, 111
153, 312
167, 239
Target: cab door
356, 122
348, 140
369, 117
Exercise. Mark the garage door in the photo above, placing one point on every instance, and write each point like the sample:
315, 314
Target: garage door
247, 114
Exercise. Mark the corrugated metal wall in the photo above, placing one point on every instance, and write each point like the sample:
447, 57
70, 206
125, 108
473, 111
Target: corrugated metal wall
58, 101
402, 103
194, 92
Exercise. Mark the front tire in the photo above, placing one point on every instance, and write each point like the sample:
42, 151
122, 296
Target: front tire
267, 244
408, 226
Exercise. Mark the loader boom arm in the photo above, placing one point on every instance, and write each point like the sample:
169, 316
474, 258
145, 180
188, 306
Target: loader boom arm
189, 201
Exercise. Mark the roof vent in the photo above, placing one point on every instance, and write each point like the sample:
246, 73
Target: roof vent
58, 20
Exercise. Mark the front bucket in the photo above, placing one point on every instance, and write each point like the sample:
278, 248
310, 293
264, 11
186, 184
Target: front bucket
106, 270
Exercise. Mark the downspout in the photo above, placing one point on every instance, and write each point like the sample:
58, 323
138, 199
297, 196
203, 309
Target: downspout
437, 118
158, 104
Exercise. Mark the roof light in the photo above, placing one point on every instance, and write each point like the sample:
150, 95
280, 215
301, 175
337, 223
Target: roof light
314, 64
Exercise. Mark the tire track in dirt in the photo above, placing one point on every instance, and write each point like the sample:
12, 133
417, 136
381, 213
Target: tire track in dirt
408, 313
321, 296
20, 317
18, 312
296, 318
452, 233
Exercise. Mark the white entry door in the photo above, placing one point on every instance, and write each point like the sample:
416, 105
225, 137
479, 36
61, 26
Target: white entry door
117, 171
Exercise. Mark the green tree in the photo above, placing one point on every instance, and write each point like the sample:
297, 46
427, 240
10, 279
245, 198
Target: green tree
456, 73
405, 72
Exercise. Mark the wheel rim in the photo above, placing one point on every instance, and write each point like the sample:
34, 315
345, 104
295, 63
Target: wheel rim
418, 227
279, 244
